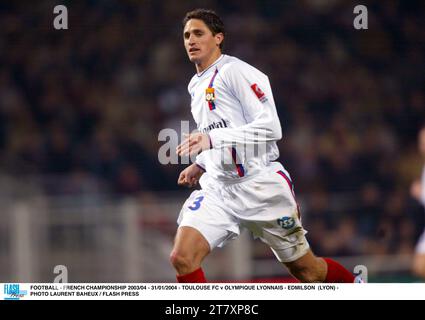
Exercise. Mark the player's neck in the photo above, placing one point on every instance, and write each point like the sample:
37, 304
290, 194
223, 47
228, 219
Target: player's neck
208, 62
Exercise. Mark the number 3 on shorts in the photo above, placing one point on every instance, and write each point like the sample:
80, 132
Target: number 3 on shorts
196, 204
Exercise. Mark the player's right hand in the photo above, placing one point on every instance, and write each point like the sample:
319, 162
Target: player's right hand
190, 176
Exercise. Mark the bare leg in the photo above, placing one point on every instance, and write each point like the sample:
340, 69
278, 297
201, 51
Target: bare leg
308, 268
190, 249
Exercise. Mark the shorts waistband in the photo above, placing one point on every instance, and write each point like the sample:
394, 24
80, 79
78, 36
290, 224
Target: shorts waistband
273, 167
236, 180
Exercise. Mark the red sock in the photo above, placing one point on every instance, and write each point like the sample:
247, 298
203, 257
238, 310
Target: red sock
196, 276
337, 273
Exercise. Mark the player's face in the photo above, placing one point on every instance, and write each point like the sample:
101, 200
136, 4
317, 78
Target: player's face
199, 41
422, 142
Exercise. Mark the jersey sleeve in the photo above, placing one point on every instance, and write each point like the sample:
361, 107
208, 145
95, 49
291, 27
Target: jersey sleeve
200, 160
252, 88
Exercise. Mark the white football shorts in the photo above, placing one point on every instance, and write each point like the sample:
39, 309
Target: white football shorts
265, 204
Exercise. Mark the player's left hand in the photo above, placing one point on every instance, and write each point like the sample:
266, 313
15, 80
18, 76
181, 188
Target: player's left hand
194, 144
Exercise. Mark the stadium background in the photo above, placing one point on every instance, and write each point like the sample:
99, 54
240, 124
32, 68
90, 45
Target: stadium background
81, 109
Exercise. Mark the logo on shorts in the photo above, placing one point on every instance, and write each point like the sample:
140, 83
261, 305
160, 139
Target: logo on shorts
286, 222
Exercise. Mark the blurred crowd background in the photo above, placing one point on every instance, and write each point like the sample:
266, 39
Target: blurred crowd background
81, 109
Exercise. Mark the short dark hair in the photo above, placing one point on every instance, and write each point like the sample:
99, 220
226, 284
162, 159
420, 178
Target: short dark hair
210, 18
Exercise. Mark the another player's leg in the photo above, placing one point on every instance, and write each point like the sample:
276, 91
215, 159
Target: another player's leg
310, 268
190, 249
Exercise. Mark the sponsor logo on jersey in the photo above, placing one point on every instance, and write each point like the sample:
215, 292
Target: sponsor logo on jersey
259, 93
214, 125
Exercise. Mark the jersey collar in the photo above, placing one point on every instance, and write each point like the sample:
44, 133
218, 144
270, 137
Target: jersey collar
212, 65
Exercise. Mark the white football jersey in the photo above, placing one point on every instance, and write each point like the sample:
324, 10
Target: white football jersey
233, 102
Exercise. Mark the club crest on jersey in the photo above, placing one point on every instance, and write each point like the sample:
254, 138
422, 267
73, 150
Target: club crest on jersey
210, 97
209, 94
258, 92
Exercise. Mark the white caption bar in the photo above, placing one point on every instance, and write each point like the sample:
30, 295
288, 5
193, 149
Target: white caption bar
210, 291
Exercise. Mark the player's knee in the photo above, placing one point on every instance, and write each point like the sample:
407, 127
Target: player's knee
181, 262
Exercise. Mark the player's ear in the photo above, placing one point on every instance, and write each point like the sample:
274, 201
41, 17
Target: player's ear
219, 37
